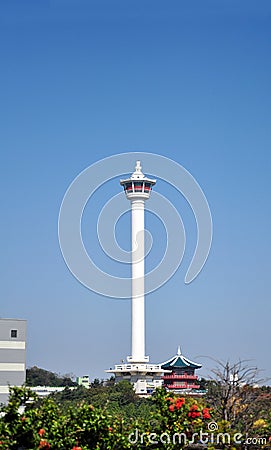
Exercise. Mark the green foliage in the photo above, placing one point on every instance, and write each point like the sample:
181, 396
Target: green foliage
176, 415
45, 425
119, 420
119, 399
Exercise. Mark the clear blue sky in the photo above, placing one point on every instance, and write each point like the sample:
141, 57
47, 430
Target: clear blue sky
81, 80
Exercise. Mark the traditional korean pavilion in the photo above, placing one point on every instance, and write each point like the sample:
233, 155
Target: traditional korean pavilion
179, 376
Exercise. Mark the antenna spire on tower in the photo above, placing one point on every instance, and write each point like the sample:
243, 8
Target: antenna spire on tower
138, 166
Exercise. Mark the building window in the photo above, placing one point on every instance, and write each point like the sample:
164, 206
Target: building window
128, 187
13, 333
138, 186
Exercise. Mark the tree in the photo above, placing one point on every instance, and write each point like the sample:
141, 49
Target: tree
234, 395
41, 377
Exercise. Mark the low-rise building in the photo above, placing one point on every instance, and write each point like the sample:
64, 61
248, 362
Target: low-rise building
12, 355
44, 391
83, 381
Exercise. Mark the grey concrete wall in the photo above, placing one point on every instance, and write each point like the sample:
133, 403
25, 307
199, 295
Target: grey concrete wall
6, 325
12, 355
14, 378
3, 398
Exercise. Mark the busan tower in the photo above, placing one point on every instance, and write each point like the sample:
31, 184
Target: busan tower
144, 376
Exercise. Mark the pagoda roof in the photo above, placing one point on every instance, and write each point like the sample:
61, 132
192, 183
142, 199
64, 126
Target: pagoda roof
179, 361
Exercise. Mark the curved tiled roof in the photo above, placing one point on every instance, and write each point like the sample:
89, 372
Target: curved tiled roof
180, 361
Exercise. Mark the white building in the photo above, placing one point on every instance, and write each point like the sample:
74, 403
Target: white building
83, 381
12, 355
44, 391
144, 376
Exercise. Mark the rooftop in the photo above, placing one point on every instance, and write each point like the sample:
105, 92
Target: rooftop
180, 361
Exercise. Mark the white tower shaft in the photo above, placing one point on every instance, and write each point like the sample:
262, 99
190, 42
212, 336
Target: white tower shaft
138, 302
144, 376
138, 189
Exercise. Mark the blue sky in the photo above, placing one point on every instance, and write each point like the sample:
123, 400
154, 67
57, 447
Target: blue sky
83, 80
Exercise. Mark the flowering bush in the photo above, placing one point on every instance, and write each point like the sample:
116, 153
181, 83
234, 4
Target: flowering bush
180, 414
45, 425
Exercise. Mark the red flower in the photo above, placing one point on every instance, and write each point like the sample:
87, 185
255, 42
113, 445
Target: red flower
76, 448
41, 432
171, 408
110, 428
44, 444
194, 414
194, 408
169, 399
179, 402
23, 418
205, 413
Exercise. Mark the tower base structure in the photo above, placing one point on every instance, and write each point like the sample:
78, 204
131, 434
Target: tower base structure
145, 378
